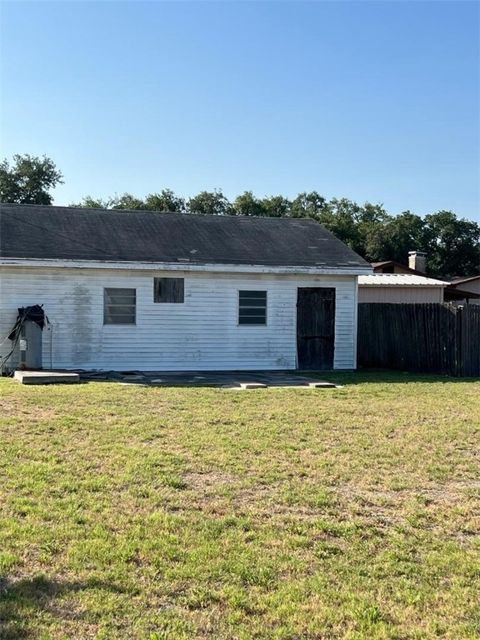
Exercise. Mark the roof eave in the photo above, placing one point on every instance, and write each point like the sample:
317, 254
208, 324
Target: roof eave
186, 266
455, 283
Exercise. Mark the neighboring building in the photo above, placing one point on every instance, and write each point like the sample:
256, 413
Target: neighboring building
467, 288
390, 266
399, 288
396, 283
459, 291
162, 291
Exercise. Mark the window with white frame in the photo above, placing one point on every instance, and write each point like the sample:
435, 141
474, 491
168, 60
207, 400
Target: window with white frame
119, 306
252, 307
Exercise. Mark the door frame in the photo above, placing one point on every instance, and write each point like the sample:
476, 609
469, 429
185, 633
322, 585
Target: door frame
324, 286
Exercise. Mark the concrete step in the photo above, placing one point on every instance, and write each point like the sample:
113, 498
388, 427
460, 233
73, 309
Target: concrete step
46, 377
321, 385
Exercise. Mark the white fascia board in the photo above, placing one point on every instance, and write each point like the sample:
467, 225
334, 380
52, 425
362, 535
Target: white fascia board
441, 285
183, 266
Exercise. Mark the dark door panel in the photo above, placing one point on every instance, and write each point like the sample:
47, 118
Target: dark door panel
315, 327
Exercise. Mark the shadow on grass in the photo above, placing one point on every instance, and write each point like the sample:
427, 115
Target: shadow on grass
384, 376
21, 602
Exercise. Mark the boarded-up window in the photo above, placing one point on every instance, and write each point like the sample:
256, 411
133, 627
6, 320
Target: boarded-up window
168, 289
252, 307
119, 306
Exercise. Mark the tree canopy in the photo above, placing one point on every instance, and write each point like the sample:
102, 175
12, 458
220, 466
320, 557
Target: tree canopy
28, 180
210, 202
452, 244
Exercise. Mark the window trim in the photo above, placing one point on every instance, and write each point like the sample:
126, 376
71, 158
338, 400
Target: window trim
251, 324
119, 324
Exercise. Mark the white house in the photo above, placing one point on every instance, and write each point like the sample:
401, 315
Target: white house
156, 291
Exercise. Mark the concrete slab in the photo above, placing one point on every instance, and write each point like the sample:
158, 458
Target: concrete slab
219, 379
321, 385
46, 377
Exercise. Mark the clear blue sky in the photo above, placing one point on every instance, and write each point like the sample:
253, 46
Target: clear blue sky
373, 101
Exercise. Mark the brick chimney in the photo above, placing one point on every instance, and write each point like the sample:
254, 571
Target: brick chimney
417, 260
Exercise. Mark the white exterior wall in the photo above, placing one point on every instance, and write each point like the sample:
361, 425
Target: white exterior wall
400, 294
200, 334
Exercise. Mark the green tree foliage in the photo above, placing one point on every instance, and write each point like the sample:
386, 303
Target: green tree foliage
247, 204
395, 237
341, 218
369, 217
308, 205
210, 202
28, 180
276, 206
166, 200
127, 201
452, 245
92, 203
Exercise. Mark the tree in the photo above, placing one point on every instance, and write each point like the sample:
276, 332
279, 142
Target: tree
28, 180
452, 245
127, 201
92, 203
166, 200
308, 205
276, 206
395, 237
210, 202
247, 204
341, 218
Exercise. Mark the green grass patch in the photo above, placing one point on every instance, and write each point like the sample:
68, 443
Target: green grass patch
129, 512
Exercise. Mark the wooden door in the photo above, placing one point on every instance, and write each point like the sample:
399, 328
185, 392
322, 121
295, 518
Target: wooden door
315, 327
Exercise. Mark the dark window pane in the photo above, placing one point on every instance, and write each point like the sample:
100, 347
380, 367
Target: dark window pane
258, 295
252, 304
252, 307
249, 320
168, 290
252, 312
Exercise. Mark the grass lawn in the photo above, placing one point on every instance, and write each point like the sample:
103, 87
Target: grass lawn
135, 512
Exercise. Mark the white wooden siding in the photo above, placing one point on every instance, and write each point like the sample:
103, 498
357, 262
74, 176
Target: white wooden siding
201, 334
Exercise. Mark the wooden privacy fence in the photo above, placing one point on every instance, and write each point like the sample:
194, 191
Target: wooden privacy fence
427, 338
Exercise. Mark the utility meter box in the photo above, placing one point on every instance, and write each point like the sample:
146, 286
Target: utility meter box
30, 346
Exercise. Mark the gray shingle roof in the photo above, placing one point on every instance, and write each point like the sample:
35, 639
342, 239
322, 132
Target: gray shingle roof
49, 232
